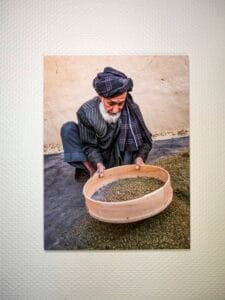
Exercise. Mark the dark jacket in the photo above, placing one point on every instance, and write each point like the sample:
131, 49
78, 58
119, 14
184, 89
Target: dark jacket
101, 140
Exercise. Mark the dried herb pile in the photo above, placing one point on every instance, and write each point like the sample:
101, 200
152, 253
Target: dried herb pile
167, 230
127, 189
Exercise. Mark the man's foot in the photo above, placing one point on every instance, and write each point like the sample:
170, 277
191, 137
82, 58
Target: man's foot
81, 175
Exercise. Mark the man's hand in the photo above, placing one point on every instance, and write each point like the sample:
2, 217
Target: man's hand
100, 169
138, 162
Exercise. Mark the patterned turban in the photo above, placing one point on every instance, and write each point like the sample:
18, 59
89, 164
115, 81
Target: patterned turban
112, 83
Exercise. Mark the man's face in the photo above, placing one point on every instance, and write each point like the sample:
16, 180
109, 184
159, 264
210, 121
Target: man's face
114, 105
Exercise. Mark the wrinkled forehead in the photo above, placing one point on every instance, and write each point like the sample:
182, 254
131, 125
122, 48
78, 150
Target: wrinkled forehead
118, 99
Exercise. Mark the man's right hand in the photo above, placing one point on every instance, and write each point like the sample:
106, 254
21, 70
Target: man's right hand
100, 169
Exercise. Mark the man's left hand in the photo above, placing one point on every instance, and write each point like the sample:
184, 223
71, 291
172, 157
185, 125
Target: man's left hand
138, 162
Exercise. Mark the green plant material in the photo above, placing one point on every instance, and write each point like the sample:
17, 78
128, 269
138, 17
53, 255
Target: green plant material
168, 230
127, 189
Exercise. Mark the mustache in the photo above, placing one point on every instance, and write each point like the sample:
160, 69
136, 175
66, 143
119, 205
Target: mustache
113, 114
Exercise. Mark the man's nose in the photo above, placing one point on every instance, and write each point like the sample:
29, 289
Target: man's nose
116, 109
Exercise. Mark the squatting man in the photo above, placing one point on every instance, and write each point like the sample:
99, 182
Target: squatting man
111, 130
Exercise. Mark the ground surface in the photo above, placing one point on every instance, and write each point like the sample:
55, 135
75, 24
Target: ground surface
68, 226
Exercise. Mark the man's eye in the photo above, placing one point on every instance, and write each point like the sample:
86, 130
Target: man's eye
113, 103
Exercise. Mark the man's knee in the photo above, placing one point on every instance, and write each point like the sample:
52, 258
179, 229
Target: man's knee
68, 128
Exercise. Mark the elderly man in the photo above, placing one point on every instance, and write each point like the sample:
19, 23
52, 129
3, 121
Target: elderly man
110, 131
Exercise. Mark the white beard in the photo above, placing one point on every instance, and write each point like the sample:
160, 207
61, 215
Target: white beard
106, 116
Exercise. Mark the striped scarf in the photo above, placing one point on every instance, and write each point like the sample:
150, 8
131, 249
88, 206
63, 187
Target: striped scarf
133, 132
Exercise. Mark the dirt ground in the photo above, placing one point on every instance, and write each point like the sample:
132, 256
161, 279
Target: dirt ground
161, 88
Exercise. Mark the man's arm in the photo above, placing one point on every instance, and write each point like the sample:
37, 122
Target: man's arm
88, 140
146, 135
144, 151
142, 154
90, 144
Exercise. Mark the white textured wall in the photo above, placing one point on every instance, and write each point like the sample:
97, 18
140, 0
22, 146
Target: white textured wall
31, 29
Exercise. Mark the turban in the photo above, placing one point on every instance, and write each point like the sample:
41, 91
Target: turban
112, 83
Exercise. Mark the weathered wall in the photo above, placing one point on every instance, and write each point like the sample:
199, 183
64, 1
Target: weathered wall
161, 88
